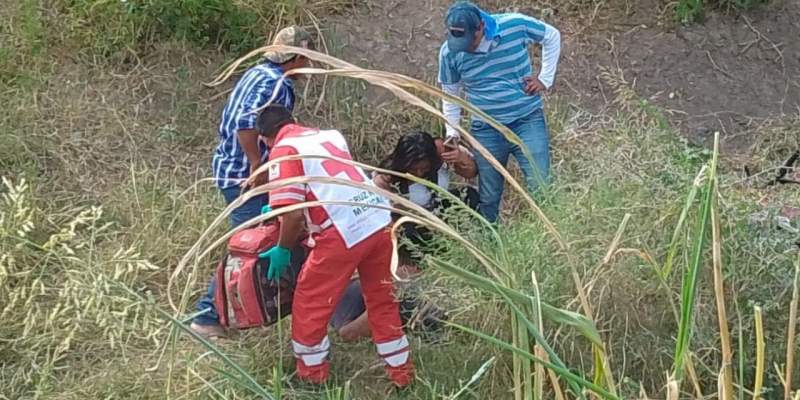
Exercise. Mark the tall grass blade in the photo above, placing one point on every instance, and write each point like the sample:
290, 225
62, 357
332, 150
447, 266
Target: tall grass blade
558, 393
556, 315
672, 389
599, 367
233, 378
666, 270
562, 372
602, 366
516, 361
474, 379
692, 275
538, 350
277, 380
723, 391
277, 371
526, 372
790, 336
740, 331
206, 383
693, 376
759, 354
537, 334
726, 369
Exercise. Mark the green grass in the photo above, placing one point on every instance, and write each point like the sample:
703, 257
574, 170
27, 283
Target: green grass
689, 11
145, 206
109, 28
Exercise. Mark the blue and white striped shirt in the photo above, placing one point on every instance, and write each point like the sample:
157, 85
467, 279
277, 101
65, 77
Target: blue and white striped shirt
493, 75
230, 165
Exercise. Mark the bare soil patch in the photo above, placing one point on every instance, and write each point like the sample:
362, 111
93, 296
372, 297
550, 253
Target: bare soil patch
730, 73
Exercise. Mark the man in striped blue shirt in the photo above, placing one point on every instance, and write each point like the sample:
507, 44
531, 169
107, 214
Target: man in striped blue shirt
487, 57
240, 152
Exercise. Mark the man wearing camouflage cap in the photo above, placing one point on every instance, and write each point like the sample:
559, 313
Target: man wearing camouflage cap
240, 152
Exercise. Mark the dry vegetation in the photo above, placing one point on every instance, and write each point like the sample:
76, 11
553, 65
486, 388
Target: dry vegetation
103, 155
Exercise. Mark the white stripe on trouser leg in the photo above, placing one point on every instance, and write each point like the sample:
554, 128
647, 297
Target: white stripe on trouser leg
312, 355
398, 359
392, 345
394, 352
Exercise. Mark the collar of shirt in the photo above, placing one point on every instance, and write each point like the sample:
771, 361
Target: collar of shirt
289, 80
274, 66
490, 36
485, 45
290, 129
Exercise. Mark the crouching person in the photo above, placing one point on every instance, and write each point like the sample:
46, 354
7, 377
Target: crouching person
423, 156
345, 238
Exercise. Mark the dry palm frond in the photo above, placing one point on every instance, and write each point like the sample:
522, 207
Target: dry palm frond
399, 85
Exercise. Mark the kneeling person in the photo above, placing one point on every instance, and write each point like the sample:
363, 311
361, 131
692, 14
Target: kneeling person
345, 238
421, 155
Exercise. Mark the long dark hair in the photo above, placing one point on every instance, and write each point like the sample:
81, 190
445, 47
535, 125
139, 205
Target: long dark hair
411, 149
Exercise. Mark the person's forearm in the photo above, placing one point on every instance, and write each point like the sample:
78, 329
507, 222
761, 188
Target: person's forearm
451, 111
382, 181
248, 139
292, 225
466, 168
551, 51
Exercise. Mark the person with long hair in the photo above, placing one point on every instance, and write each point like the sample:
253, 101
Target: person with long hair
422, 156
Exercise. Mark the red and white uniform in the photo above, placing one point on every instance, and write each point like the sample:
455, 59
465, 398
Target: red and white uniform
346, 238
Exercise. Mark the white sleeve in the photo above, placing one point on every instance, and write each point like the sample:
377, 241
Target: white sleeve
452, 111
551, 50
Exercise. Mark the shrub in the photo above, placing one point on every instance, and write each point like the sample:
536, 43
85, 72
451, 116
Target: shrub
110, 27
688, 11
61, 299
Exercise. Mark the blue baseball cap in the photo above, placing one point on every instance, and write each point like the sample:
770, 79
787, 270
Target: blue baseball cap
463, 21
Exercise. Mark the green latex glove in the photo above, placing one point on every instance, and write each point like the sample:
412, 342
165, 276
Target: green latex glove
279, 258
266, 209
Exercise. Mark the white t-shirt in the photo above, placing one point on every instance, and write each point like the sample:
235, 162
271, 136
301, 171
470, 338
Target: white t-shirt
354, 223
421, 195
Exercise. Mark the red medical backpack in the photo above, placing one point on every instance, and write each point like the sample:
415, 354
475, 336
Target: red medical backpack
244, 297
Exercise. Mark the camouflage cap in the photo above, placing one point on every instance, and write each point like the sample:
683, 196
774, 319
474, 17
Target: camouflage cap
290, 36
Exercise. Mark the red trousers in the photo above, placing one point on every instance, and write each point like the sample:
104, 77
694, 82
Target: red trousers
323, 278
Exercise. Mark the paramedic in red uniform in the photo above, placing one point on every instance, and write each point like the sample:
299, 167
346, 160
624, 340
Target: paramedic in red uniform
345, 239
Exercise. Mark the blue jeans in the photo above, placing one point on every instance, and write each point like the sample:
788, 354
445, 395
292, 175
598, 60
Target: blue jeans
532, 130
247, 211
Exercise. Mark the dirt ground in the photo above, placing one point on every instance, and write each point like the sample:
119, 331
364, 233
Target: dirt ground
729, 74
